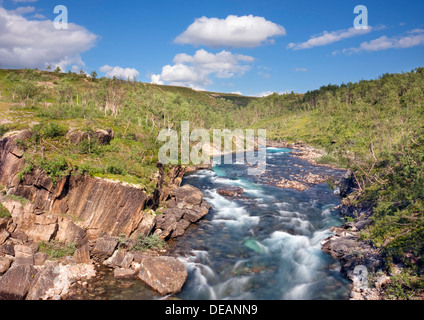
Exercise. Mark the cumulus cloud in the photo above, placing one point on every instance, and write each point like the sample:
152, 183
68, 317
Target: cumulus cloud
195, 71
329, 37
120, 73
234, 31
411, 39
36, 44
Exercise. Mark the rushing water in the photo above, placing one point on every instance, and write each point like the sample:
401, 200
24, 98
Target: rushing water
264, 245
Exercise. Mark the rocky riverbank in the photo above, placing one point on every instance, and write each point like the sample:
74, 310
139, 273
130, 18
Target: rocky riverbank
360, 261
93, 216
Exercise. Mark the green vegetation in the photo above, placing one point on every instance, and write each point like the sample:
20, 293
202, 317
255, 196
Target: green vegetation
57, 250
142, 243
4, 213
375, 128
152, 242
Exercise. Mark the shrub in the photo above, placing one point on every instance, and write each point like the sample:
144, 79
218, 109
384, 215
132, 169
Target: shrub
152, 242
56, 249
53, 130
4, 213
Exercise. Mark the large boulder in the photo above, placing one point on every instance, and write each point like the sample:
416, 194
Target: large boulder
120, 259
82, 254
15, 283
43, 282
104, 248
166, 275
186, 206
104, 137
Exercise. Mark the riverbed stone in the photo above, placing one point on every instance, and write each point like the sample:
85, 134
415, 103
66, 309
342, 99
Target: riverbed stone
230, 191
166, 275
124, 273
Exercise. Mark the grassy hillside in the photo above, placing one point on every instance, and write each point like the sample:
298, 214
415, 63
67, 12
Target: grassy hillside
52, 103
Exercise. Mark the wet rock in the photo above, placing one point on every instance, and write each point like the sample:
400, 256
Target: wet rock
231, 191
123, 273
197, 213
15, 283
166, 275
104, 248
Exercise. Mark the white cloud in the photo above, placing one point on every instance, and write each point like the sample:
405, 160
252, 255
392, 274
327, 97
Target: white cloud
237, 92
328, 38
120, 73
412, 38
39, 16
36, 44
234, 31
300, 69
22, 10
268, 93
195, 71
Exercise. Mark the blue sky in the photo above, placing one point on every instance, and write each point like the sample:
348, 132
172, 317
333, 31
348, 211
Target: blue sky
252, 47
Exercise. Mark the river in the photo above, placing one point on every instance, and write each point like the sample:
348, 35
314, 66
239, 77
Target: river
264, 245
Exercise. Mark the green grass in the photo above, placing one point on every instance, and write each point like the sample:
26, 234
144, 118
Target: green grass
57, 250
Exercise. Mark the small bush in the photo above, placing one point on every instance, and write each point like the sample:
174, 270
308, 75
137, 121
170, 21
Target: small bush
55, 167
56, 249
116, 169
4, 213
152, 242
53, 130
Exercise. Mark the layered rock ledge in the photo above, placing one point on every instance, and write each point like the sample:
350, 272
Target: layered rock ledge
92, 214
